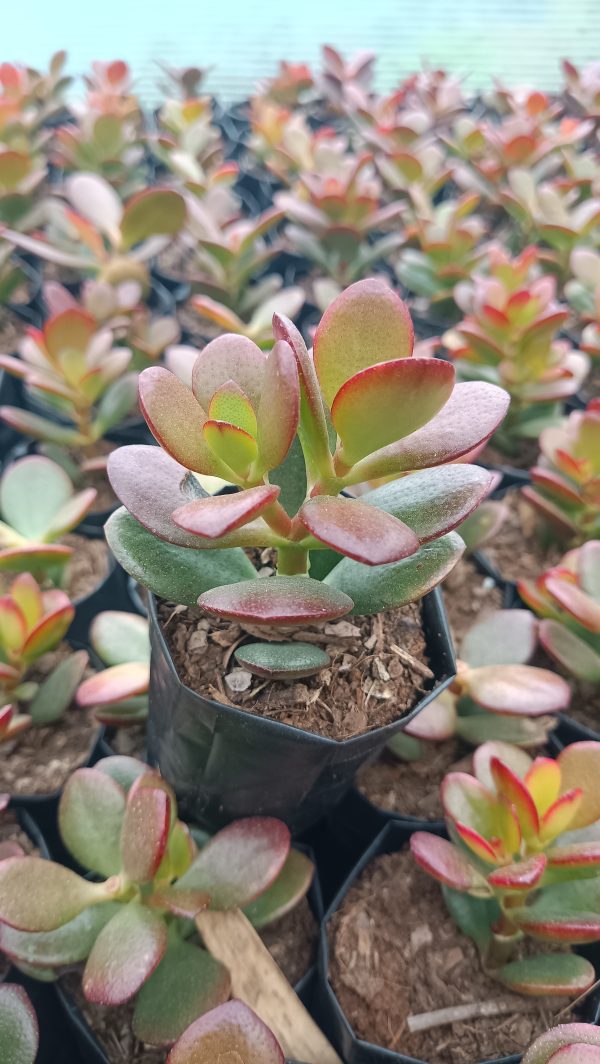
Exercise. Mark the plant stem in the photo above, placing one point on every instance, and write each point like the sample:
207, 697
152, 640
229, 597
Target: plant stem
292, 561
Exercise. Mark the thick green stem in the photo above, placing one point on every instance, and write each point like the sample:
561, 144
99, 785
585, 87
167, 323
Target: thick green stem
292, 561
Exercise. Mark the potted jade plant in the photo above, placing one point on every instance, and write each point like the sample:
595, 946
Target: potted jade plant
274, 724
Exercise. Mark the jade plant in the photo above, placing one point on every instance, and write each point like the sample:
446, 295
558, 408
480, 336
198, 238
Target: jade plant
119, 693
290, 84
261, 422
567, 599
565, 484
582, 86
497, 694
583, 293
19, 1031
508, 873
285, 143
346, 83
571, 1043
97, 235
230, 1031
81, 380
106, 144
30, 98
38, 507
510, 336
133, 924
186, 81
22, 175
33, 622
110, 90
188, 136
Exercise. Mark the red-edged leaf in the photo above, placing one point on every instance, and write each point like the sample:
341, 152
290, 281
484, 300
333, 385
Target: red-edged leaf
312, 411
229, 358
114, 684
446, 863
476, 842
561, 815
176, 419
39, 895
184, 903
145, 830
510, 787
231, 1030
48, 633
277, 600
578, 657
523, 875
567, 1035
437, 721
518, 760
90, 818
580, 768
543, 781
240, 862
279, 407
149, 484
234, 447
518, 690
291, 885
358, 530
576, 856
215, 516
551, 973
575, 601
126, 952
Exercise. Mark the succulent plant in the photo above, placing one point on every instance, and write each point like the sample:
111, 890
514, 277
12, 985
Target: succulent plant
346, 83
285, 143
290, 84
565, 484
239, 421
509, 872
571, 1043
229, 1029
583, 294
189, 144
73, 365
496, 693
33, 622
19, 1031
118, 694
105, 144
567, 598
185, 80
509, 336
102, 238
38, 506
30, 98
110, 90
22, 175
583, 86
435, 93
133, 925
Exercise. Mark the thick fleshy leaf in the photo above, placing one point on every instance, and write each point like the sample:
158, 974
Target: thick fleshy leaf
56, 693
550, 973
527, 732
282, 661
389, 401
69, 944
126, 952
313, 425
564, 912
19, 1033
240, 862
543, 781
13, 627
575, 859
365, 324
509, 786
560, 817
434, 501
228, 358
232, 446
114, 684
119, 637
279, 407
437, 721
24, 559
447, 864
175, 573
25, 591
291, 885
575, 601
145, 830
470, 805
90, 818
566, 1035
580, 768
48, 632
230, 1031
523, 875
388, 586
187, 983
176, 420
277, 600
153, 212
218, 514
357, 530
518, 761
471, 415
578, 658
505, 637
230, 404
39, 895
93, 197
124, 770
40, 428
518, 689
184, 903
32, 491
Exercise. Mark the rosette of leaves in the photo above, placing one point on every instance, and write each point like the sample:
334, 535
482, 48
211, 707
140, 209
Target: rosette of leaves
95, 234
510, 336
497, 694
119, 693
22, 175
345, 84
19, 1031
33, 622
229, 1029
567, 599
188, 136
105, 144
571, 1043
260, 422
74, 367
582, 87
509, 871
285, 143
110, 90
436, 93
565, 484
30, 98
290, 85
132, 921
38, 506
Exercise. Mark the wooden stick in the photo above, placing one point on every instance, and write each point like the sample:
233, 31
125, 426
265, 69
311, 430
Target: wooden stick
259, 982
455, 1013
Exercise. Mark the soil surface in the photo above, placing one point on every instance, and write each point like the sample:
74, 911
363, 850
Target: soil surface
585, 705
88, 567
11, 332
518, 551
413, 787
468, 596
396, 953
367, 685
130, 742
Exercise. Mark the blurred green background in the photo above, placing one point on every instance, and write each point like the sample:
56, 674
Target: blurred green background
519, 41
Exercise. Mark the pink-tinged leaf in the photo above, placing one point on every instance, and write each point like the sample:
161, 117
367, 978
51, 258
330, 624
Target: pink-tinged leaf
447, 864
561, 815
175, 420
187, 983
70, 331
504, 637
560, 925
509, 786
580, 768
551, 973
114, 684
240, 862
554, 484
575, 857
48, 633
230, 404
388, 401
566, 1035
153, 212
90, 819
232, 446
227, 320
477, 844
215, 516
229, 358
523, 875
290, 886
72, 513
472, 414
364, 325
13, 627
437, 721
126, 952
95, 199
543, 782
518, 760
575, 601
578, 1054
10, 849
25, 591
277, 600
589, 564
231, 1030
184, 903
145, 831
577, 657
279, 407
518, 690
312, 411
358, 530
19, 1032
39, 895
471, 806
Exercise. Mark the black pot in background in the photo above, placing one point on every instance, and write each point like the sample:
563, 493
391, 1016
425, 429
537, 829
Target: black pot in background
27, 310
224, 763
329, 1012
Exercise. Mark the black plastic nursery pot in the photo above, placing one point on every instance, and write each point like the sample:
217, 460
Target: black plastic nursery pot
330, 1014
31, 270
224, 763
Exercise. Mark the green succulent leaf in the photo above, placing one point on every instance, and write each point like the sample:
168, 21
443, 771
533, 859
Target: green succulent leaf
57, 692
505, 637
153, 212
39, 895
117, 403
19, 1034
288, 889
128, 949
290, 476
551, 973
187, 983
282, 661
69, 944
32, 491
119, 637
578, 657
475, 917
90, 819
